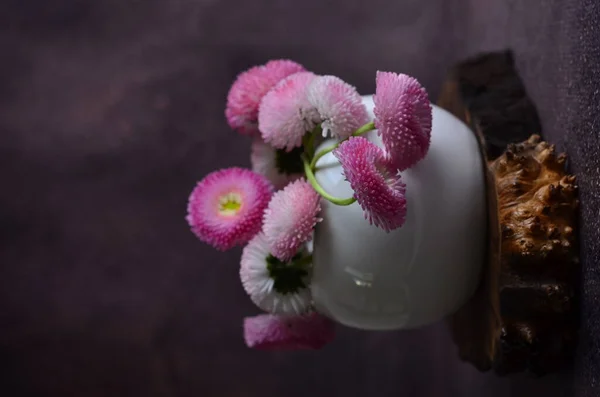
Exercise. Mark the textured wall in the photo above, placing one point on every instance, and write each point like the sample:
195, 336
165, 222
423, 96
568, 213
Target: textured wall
111, 110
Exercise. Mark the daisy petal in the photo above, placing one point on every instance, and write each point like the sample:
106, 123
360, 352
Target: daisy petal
268, 332
290, 218
376, 183
339, 105
278, 166
285, 114
402, 118
249, 88
274, 286
226, 208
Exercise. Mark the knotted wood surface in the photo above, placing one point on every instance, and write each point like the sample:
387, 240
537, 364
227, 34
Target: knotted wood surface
524, 314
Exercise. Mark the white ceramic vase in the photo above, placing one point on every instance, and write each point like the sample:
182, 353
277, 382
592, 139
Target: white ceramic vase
425, 270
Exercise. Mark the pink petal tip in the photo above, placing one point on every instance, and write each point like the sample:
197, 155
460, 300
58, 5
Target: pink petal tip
377, 185
290, 218
225, 208
268, 332
285, 114
248, 90
339, 105
403, 118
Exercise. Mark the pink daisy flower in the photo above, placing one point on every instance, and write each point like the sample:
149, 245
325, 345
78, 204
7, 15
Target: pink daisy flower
402, 118
275, 286
278, 166
249, 88
376, 182
290, 218
285, 114
226, 208
339, 105
268, 332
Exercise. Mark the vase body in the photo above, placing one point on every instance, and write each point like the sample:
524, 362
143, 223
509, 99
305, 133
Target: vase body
422, 272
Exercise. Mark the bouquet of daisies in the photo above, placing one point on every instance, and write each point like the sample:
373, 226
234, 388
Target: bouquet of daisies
273, 209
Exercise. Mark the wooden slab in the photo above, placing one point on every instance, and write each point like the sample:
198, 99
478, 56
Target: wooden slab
523, 317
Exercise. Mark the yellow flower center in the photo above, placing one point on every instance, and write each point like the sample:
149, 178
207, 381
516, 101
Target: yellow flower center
230, 204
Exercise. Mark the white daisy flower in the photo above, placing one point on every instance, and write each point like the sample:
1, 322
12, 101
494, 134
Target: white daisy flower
275, 286
339, 106
278, 166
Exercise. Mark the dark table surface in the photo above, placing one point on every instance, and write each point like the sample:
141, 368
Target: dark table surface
111, 110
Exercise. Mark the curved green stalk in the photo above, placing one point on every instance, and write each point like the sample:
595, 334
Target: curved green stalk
322, 153
308, 141
302, 262
365, 128
313, 181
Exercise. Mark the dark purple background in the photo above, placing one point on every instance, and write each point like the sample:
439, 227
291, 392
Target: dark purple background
110, 110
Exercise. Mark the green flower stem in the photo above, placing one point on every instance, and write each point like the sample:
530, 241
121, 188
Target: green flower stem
308, 141
302, 262
313, 181
322, 153
365, 128
313, 136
